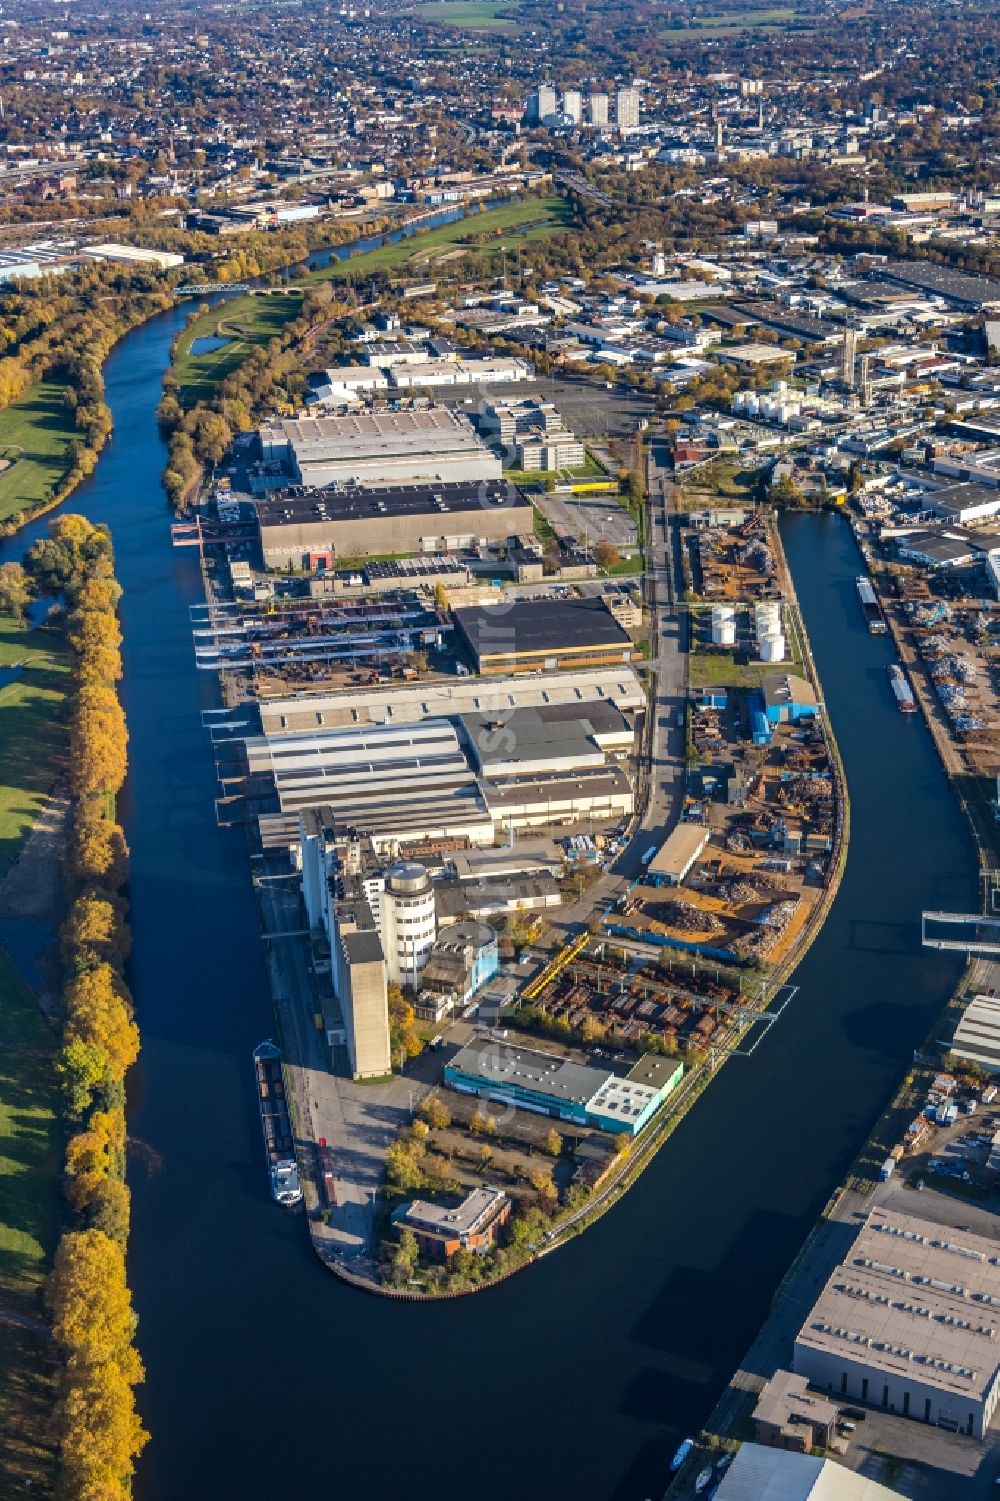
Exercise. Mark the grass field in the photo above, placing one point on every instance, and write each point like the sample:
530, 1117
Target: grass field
721, 481
30, 1158
736, 20
35, 433
29, 1143
470, 15
534, 218
32, 735
250, 321
717, 668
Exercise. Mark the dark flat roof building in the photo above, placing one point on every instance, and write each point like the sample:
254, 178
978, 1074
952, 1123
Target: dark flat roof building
542, 634
956, 286
354, 520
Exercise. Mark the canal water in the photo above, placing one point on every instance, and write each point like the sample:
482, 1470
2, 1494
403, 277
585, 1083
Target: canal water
266, 1377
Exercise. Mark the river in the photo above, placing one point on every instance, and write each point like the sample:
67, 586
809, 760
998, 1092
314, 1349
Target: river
266, 1377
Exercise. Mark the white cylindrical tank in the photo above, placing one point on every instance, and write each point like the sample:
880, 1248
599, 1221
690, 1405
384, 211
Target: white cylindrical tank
723, 625
772, 647
752, 405
767, 619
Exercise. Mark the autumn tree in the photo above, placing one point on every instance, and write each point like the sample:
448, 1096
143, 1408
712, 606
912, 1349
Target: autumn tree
98, 741
100, 1435
109, 1210
15, 591
82, 1067
99, 1013
436, 1113
98, 852
404, 1039
92, 1315
94, 929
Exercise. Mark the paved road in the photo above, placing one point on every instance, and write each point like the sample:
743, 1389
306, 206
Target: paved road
660, 791
668, 638
357, 1120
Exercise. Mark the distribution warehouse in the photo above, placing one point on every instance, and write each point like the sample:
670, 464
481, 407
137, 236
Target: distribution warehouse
352, 521
909, 1322
545, 633
379, 448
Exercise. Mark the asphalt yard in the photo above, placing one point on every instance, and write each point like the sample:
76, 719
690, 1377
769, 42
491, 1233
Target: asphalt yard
591, 519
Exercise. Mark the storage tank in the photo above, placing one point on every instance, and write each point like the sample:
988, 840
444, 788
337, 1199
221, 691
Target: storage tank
752, 405
723, 625
767, 619
772, 647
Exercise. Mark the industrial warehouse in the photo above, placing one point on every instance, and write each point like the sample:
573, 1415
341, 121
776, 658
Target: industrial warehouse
550, 633
315, 528
432, 444
908, 1322
403, 783
550, 1084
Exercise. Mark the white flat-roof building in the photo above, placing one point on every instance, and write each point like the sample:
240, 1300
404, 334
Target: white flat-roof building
760, 1473
678, 853
977, 1036
910, 1322
491, 369
380, 448
412, 702
134, 255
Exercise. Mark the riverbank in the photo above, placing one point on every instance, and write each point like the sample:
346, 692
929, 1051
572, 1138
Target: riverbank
36, 431
34, 680
975, 805
528, 218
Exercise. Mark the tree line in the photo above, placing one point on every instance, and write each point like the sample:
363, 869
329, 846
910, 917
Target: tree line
96, 1425
63, 329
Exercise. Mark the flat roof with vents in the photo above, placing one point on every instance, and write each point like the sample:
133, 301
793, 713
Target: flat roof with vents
298, 505
914, 1298
553, 1084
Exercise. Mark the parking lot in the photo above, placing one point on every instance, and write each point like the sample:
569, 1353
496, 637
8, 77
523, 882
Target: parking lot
923, 1463
590, 519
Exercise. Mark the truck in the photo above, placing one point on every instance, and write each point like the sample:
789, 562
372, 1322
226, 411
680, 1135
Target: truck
647, 857
324, 1173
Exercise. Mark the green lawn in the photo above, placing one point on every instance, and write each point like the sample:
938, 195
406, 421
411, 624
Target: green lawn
715, 668
35, 433
250, 320
625, 566
780, 17
724, 480
470, 15
32, 733
29, 1142
537, 217
30, 1160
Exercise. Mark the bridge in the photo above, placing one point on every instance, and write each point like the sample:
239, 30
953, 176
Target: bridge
207, 288
976, 934
201, 534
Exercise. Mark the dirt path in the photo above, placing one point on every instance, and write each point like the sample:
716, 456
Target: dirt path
33, 886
